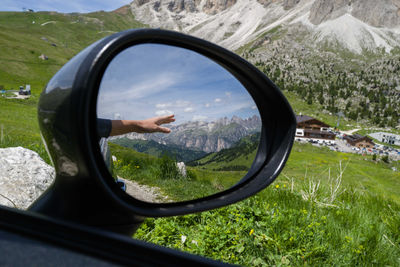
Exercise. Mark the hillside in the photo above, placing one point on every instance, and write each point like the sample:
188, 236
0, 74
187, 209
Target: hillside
342, 54
239, 157
155, 149
24, 36
354, 24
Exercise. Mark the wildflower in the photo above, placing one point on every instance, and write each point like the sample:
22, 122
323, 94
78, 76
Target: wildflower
277, 186
251, 232
183, 239
284, 185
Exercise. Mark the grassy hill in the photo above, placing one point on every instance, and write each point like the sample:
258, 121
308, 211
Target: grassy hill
162, 172
310, 216
237, 158
24, 36
155, 149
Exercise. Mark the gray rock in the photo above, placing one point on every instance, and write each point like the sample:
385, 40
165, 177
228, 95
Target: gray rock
323, 10
382, 13
24, 176
216, 6
289, 4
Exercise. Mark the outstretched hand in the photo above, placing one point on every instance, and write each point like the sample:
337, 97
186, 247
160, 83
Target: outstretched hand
151, 125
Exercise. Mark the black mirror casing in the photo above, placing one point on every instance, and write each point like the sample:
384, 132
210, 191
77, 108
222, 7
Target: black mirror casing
85, 192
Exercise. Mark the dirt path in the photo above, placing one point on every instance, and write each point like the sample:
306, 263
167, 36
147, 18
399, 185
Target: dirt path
146, 193
350, 132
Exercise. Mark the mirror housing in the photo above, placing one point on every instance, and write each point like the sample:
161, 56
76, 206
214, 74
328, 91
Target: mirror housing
84, 191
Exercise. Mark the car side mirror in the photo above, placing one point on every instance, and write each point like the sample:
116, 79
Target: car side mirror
137, 74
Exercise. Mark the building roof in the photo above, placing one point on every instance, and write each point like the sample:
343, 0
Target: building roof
305, 118
302, 118
318, 132
357, 138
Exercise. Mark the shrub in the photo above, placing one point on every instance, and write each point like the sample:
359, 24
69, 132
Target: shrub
385, 159
168, 168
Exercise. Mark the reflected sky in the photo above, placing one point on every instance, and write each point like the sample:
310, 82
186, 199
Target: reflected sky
151, 79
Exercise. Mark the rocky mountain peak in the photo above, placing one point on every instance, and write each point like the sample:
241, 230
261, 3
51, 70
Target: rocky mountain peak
383, 13
215, 6
355, 24
205, 136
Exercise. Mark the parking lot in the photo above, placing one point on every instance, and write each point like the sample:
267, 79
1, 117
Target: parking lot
341, 145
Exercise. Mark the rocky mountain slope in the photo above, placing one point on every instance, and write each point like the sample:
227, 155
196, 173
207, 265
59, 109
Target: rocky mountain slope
355, 24
342, 54
204, 136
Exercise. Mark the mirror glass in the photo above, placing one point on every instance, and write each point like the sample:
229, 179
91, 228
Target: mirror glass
174, 125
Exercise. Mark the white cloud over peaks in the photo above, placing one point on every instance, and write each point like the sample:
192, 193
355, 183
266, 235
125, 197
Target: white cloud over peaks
254, 107
189, 109
163, 105
199, 118
164, 112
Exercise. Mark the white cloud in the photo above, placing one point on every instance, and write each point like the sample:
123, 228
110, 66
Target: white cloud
189, 109
217, 100
163, 105
164, 112
207, 105
228, 94
254, 107
199, 118
182, 103
112, 91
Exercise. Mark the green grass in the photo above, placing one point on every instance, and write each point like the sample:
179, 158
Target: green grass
279, 228
162, 173
21, 44
314, 110
294, 222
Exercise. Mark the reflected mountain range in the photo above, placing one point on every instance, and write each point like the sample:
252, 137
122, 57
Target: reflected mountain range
201, 135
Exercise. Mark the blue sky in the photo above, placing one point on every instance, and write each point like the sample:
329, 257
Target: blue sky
150, 80
64, 6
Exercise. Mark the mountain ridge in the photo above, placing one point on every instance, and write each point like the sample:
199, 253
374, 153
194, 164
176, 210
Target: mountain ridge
235, 23
205, 136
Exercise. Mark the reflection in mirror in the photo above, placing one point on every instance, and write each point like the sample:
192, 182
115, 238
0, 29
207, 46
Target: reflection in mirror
175, 125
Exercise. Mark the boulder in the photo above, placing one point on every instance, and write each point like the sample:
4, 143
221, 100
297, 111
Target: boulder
24, 176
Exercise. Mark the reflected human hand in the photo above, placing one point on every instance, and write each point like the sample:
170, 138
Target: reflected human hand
152, 125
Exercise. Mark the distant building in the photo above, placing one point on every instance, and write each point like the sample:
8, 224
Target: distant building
388, 138
309, 128
359, 141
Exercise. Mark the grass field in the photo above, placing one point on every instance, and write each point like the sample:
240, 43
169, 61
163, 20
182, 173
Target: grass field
24, 36
326, 208
304, 218
162, 173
